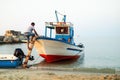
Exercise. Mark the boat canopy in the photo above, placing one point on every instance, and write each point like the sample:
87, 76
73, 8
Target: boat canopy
63, 31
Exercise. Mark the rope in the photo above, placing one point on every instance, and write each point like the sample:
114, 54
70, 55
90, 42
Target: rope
35, 60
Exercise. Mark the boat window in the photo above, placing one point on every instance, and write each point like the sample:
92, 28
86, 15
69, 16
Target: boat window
61, 30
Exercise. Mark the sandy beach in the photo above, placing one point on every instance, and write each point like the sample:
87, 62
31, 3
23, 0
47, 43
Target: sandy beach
35, 73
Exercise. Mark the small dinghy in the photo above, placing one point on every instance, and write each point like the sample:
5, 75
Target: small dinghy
12, 60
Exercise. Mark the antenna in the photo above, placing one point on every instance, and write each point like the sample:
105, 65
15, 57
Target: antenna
64, 16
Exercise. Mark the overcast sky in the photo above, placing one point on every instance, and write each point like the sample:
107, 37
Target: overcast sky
90, 17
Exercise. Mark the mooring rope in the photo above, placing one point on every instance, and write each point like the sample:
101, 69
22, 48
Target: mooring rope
35, 61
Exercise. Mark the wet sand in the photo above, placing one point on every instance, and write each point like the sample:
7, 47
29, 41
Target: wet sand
35, 73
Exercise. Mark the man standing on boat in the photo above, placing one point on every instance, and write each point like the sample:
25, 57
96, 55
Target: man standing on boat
30, 33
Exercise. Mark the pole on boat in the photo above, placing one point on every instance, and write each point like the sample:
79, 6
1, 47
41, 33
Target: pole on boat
29, 52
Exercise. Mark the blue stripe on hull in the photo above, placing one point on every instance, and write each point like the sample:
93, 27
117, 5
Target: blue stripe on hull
47, 38
72, 49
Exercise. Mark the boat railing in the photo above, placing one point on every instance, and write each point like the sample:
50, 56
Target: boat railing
55, 24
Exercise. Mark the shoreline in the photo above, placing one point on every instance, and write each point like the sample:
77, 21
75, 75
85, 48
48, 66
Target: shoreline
40, 73
91, 70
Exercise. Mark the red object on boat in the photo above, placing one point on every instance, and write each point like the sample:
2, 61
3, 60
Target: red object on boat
52, 58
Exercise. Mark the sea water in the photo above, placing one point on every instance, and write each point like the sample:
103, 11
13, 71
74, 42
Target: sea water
100, 52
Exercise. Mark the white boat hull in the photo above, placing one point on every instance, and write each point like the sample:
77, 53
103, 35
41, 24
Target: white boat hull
55, 50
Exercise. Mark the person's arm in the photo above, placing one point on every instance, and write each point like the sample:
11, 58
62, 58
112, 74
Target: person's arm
36, 32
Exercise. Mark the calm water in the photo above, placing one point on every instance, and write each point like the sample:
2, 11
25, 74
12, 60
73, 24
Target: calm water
99, 53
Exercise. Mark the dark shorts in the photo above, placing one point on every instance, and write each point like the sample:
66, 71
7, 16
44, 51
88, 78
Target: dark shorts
28, 34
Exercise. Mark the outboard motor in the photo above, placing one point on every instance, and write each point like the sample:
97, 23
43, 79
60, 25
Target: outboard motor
19, 53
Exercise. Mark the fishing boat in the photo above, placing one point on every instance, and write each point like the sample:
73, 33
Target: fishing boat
58, 45
12, 60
